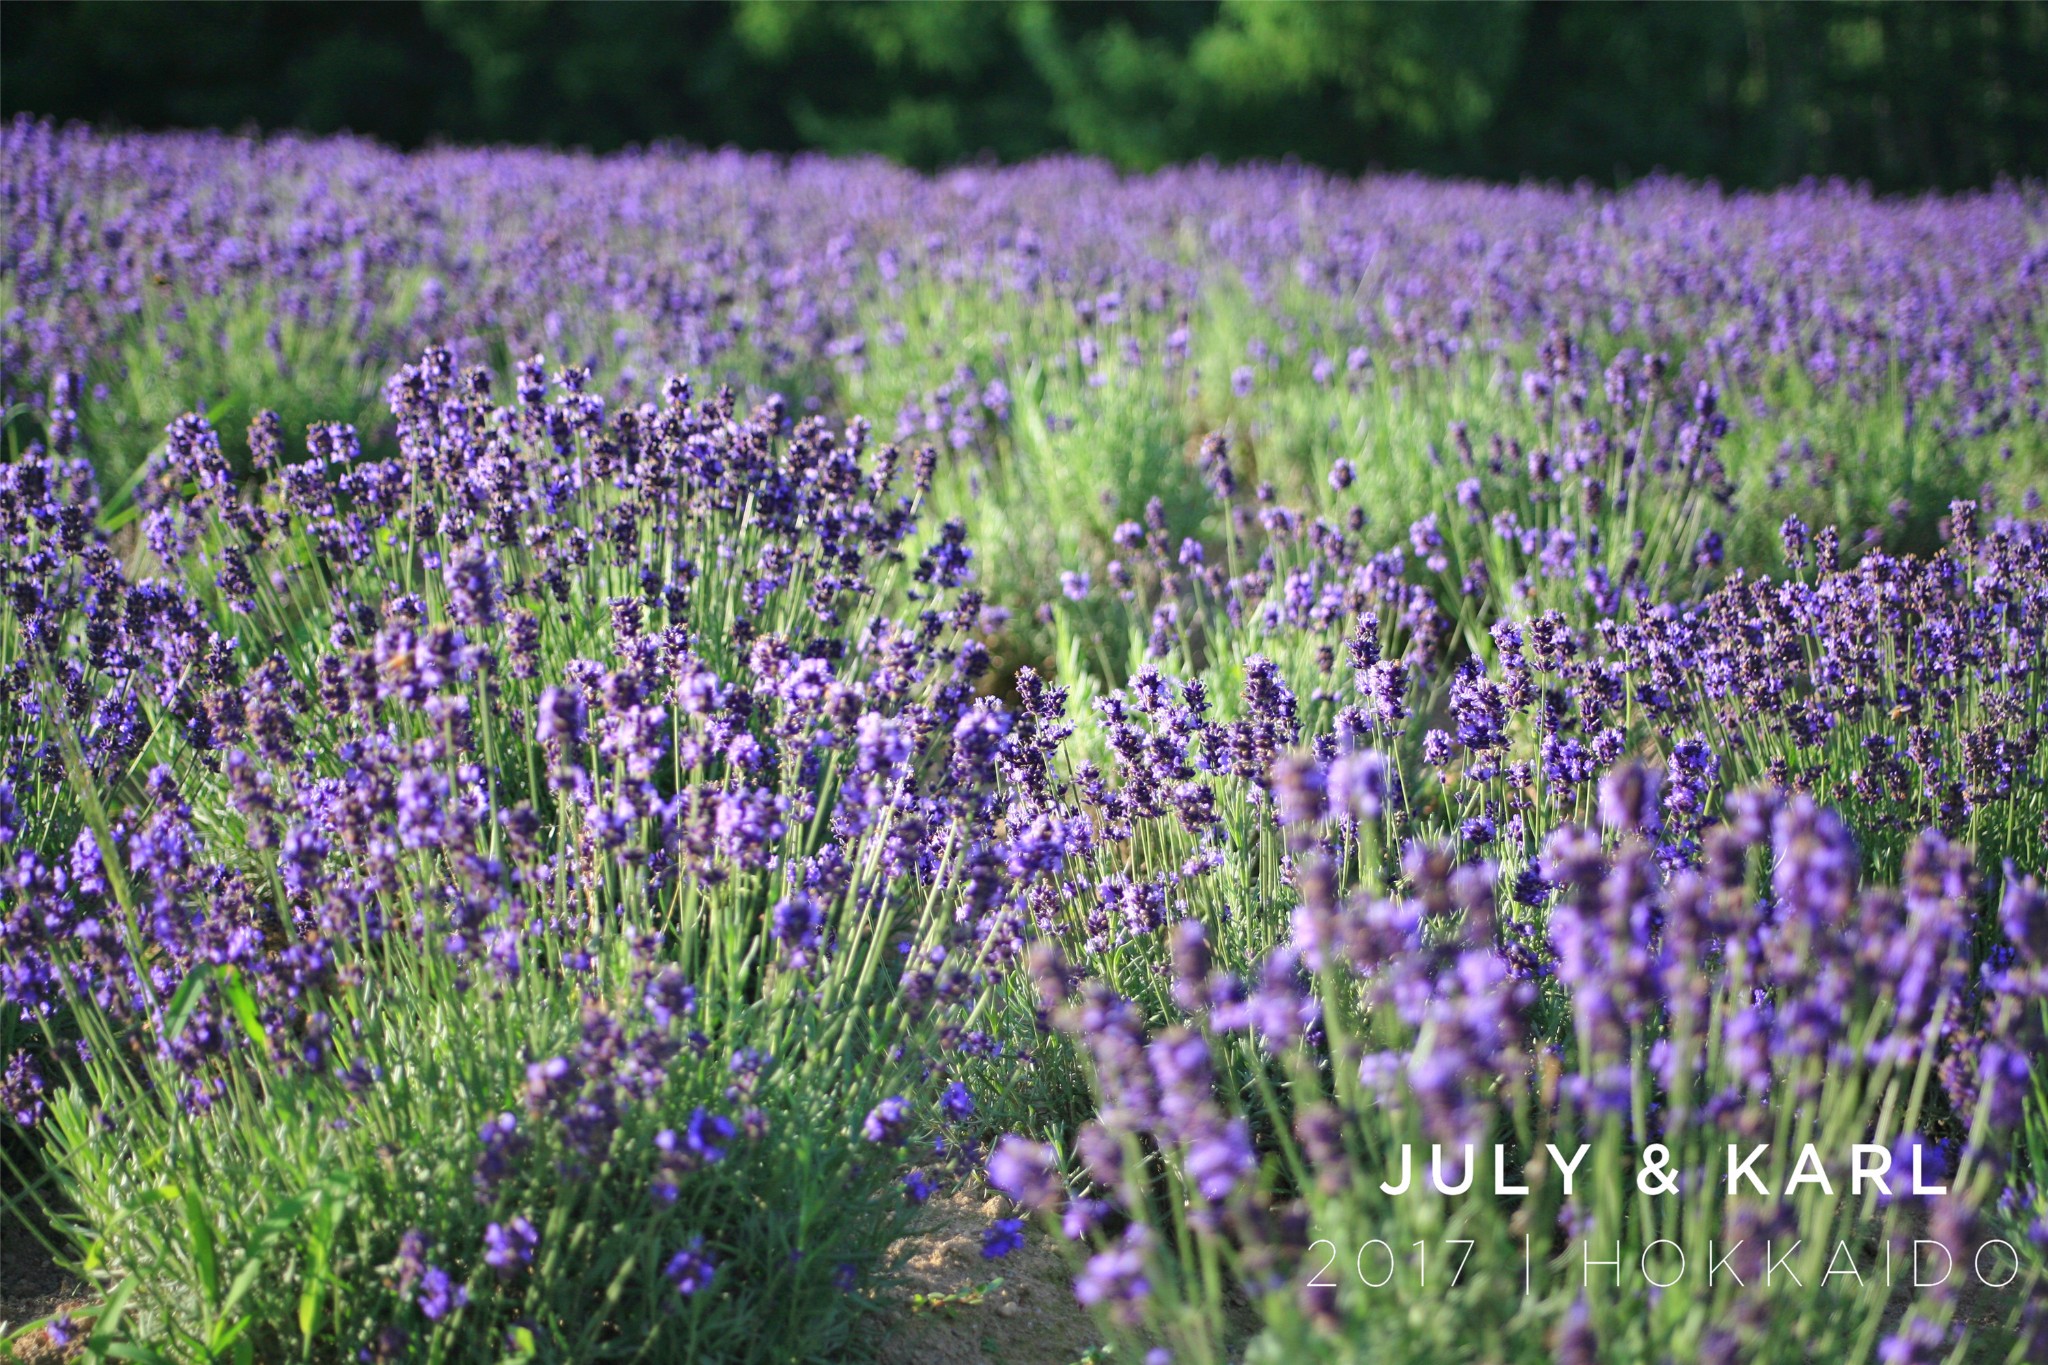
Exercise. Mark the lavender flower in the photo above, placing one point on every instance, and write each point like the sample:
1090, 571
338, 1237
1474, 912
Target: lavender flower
690, 1270
439, 1295
1116, 1279
509, 1247
1001, 1238
888, 1123
1027, 1172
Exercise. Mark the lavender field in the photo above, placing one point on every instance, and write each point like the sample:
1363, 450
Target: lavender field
587, 742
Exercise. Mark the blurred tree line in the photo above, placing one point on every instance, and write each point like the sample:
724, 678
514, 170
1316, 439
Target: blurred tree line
1753, 92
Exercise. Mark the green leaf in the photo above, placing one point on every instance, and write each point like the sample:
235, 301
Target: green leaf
262, 1239
124, 495
524, 1347
319, 1240
199, 1227
236, 993
108, 1325
129, 1350
178, 1012
309, 1307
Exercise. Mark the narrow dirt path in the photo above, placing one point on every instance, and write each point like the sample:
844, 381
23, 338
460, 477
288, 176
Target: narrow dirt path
1030, 1318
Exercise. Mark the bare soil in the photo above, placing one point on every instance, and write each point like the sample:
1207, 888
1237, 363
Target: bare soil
32, 1286
1031, 1318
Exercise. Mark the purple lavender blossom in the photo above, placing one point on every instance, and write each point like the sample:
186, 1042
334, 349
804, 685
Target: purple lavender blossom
509, 1247
691, 1269
1002, 1237
439, 1295
888, 1123
1027, 1172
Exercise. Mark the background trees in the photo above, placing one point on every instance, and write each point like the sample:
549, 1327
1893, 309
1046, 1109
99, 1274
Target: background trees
1761, 92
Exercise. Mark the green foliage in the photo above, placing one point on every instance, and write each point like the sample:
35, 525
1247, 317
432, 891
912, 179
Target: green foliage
302, 1256
1764, 91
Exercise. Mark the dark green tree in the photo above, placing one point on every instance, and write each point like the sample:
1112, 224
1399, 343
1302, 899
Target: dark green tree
1753, 92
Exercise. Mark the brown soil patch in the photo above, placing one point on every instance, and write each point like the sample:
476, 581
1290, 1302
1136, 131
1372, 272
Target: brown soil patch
1032, 1318
32, 1286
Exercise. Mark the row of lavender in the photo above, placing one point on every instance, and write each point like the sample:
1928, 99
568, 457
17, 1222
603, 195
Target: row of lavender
696, 255
1867, 350
499, 859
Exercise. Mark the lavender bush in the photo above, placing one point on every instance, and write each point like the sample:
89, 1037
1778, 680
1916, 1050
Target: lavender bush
1427, 1125
541, 968
512, 863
